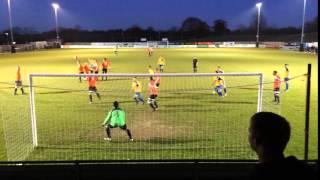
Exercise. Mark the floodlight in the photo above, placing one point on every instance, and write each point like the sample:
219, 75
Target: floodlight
55, 6
258, 5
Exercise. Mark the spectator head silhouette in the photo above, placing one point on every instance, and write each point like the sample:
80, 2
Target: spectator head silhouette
269, 134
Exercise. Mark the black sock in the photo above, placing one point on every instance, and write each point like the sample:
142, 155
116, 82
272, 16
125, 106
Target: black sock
129, 133
151, 105
98, 95
108, 132
90, 98
15, 90
22, 90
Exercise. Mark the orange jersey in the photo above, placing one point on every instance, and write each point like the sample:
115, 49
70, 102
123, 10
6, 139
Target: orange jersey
81, 68
92, 81
18, 75
277, 81
86, 68
157, 79
153, 90
105, 65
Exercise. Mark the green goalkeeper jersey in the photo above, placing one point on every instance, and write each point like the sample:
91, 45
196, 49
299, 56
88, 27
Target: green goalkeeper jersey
116, 118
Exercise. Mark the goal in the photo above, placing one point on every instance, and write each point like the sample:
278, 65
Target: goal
192, 122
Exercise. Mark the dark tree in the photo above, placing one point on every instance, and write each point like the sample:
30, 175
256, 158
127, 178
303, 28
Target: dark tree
151, 34
220, 27
193, 27
134, 33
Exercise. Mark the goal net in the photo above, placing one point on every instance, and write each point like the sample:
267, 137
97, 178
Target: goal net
192, 120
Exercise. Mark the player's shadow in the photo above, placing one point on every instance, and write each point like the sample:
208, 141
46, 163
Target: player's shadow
110, 102
192, 96
161, 140
229, 102
60, 92
181, 105
6, 87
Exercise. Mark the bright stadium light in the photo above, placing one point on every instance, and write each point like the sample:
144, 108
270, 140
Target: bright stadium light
55, 7
258, 5
10, 21
303, 22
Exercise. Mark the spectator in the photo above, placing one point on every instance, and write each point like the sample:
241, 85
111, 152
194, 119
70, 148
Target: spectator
269, 134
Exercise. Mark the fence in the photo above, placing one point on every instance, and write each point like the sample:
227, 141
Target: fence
161, 44
29, 47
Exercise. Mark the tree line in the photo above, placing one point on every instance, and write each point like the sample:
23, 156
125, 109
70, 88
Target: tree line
191, 29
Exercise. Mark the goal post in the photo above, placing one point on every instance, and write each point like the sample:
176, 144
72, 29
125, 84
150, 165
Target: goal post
33, 114
258, 84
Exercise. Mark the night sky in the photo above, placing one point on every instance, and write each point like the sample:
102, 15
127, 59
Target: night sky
161, 14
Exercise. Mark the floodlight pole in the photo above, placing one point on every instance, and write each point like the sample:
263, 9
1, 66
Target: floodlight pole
55, 8
258, 5
303, 23
10, 21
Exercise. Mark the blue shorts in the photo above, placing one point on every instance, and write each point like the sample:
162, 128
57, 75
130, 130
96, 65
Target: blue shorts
286, 79
219, 87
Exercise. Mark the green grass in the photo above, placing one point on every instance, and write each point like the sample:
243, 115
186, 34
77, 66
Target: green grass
191, 123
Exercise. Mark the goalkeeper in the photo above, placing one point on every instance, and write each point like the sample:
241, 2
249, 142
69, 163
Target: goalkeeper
116, 118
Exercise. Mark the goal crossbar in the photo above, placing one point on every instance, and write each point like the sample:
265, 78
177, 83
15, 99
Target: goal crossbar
148, 75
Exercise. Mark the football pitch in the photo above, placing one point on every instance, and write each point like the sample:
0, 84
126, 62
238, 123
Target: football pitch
191, 122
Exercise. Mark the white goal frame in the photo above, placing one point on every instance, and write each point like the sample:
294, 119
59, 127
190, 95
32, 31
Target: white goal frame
32, 102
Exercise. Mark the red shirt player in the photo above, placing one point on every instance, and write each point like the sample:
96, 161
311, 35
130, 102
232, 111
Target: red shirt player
150, 51
153, 92
86, 68
92, 81
18, 82
81, 69
276, 87
105, 67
